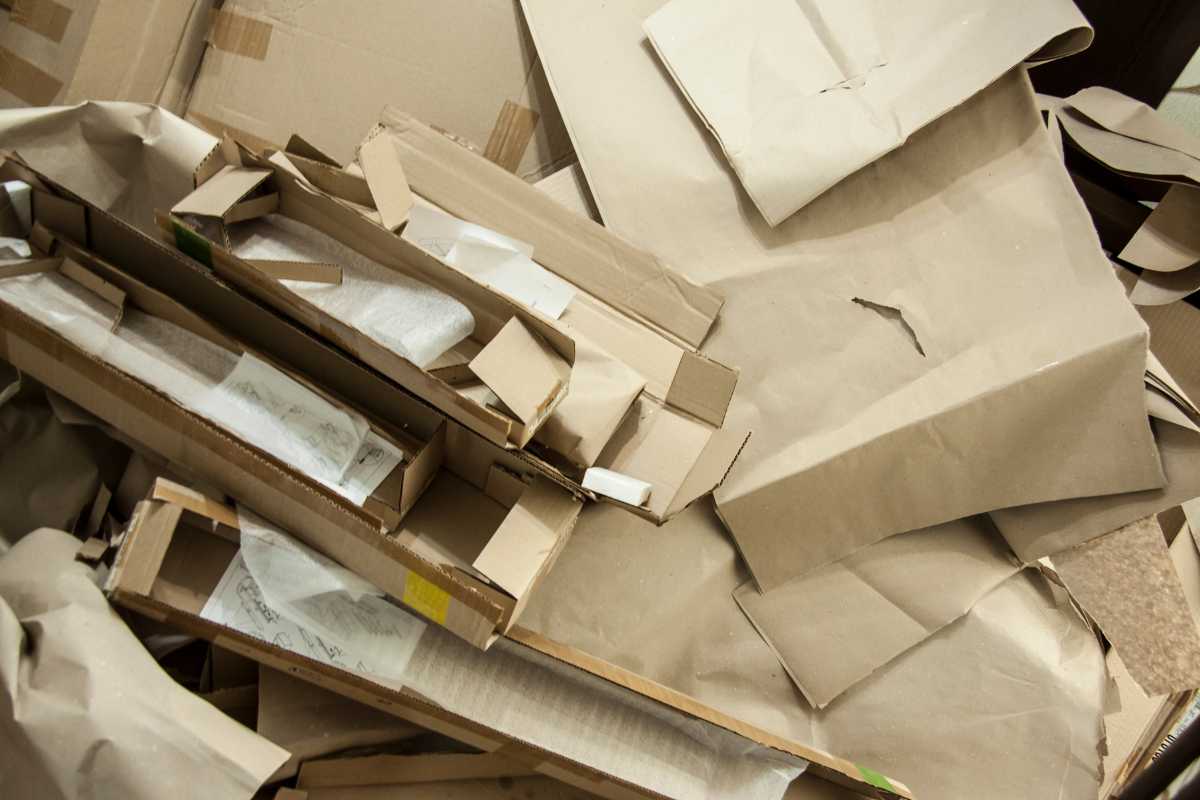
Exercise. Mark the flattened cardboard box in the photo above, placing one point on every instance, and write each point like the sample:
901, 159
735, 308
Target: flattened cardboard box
62, 53
467, 66
486, 512
639, 311
168, 571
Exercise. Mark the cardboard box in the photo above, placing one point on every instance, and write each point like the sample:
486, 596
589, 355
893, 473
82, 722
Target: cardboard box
169, 567
467, 557
56, 53
467, 66
633, 308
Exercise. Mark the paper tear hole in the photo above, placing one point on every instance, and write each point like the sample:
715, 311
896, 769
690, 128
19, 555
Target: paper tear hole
896, 317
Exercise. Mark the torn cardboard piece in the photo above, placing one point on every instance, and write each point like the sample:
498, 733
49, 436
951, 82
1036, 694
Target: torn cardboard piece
524, 372
1127, 583
226, 196
793, 121
404, 770
881, 404
836, 625
385, 177
88, 707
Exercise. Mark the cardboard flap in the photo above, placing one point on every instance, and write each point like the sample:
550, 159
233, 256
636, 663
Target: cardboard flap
60, 216
298, 145
531, 536
94, 283
153, 526
385, 176
528, 376
710, 468
221, 195
703, 387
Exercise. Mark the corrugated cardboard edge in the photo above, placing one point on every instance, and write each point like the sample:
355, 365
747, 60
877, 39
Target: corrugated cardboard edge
511, 136
821, 764
240, 35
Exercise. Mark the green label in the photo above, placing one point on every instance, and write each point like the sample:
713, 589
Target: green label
875, 779
193, 244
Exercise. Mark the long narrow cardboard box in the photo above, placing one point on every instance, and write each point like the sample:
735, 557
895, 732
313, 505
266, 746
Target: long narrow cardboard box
636, 309
467, 558
168, 568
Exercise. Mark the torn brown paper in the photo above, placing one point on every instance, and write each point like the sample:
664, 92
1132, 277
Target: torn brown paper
800, 95
836, 625
1005, 702
1131, 118
1033, 360
85, 710
127, 158
1127, 583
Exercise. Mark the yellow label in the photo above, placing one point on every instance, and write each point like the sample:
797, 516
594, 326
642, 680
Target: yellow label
425, 598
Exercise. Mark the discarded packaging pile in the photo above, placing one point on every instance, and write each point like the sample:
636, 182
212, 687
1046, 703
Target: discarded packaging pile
749, 410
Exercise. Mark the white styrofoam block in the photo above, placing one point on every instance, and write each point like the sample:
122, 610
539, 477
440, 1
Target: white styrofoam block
617, 486
21, 197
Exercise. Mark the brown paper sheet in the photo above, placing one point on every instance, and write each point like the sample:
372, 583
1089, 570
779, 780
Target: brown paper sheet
85, 711
836, 625
310, 722
1127, 583
129, 159
800, 95
1169, 239
1005, 702
1033, 358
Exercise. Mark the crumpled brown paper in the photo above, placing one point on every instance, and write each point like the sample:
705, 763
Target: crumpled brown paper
86, 712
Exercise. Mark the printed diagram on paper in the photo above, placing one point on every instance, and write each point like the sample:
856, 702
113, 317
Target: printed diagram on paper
238, 603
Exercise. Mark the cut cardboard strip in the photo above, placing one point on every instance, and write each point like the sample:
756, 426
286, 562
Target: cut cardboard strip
240, 35
1126, 582
511, 135
94, 283
298, 145
44, 17
385, 177
528, 376
388, 770
299, 271
221, 194
27, 81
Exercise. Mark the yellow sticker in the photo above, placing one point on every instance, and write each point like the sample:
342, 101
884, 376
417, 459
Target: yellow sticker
425, 598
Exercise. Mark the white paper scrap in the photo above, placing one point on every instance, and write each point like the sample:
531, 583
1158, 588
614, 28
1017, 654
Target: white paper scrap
11, 247
437, 232
288, 420
616, 485
320, 617
513, 273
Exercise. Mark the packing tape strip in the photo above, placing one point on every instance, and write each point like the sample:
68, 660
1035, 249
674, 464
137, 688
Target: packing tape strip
425, 598
44, 17
511, 135
27, 81
243, 36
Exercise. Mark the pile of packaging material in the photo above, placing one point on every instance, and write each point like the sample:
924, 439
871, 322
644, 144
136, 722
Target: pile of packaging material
669, 398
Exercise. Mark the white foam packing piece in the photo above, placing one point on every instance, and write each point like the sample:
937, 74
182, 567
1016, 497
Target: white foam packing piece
616, 485
21, 196
408, 317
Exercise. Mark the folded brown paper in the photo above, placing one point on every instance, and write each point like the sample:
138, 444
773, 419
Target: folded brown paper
801, 94
1030, 360
87, 712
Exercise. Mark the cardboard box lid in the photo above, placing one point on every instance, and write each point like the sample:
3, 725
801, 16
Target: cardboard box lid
467, 66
